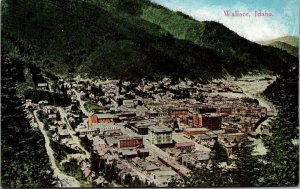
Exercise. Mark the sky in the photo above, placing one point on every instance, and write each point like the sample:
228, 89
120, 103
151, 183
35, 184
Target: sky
285, 19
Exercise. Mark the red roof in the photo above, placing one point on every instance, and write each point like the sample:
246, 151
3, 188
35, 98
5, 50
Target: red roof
183, 144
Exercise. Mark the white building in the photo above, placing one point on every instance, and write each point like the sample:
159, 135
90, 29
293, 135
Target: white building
160, 135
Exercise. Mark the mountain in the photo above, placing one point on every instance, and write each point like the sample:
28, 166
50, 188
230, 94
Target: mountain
288, 43
290, 40
128, 39
284, 46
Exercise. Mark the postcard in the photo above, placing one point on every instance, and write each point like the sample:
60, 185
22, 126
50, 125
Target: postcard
149, 93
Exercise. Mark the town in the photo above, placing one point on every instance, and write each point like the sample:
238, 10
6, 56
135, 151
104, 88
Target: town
112, 133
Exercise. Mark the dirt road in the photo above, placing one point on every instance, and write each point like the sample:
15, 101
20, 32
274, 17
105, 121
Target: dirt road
65, 180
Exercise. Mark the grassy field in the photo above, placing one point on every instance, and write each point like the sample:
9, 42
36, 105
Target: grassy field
92, 107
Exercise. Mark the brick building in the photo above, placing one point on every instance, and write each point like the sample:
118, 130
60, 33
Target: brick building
185, 146
211, 121
101, 118
131, 142
178, 112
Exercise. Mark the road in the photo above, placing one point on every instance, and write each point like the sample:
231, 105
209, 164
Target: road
156, 151
65, 180
165, 156
78, 95
71, 131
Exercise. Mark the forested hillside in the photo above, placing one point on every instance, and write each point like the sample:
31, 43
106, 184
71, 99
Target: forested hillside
288, 43
24, 161
128, 39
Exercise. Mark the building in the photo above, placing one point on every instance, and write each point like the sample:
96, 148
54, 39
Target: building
232, 137
194, 131
164, 176
151, 114
185, 146
205, 109
128, 103
130, 142
101, 128
101, 118
141, 127
211, 121
43, 103
178, 112
226, 110
160, 135
43, 85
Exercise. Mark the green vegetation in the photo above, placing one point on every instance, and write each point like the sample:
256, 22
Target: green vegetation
288, 43
24, 161
284, 46
282, 168
291, 40
134, 39
93, 107
128, 40
61, 151
52, 97
213, 35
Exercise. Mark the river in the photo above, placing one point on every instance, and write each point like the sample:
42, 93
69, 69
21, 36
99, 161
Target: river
253, 87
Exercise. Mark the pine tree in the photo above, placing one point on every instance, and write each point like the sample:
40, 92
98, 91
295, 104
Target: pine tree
247, 173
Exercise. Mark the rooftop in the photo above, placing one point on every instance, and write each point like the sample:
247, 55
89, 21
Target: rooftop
105, 116
164, 173
160, 129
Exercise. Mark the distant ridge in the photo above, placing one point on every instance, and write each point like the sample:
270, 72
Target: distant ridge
291, 40
288, 43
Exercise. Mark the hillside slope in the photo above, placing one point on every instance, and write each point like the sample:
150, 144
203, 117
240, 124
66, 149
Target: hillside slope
120, 39
288, 43
284, 46
212, 35
291, 40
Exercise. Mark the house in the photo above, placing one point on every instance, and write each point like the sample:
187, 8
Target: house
43, 85
207, 137
88, 174
160, 135
100, 182
128, 103
202, 157
163, 175
63, 133
43, 103
230, 148
52, 116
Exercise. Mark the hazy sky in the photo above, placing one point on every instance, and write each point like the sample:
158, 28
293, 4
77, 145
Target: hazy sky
285, 19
